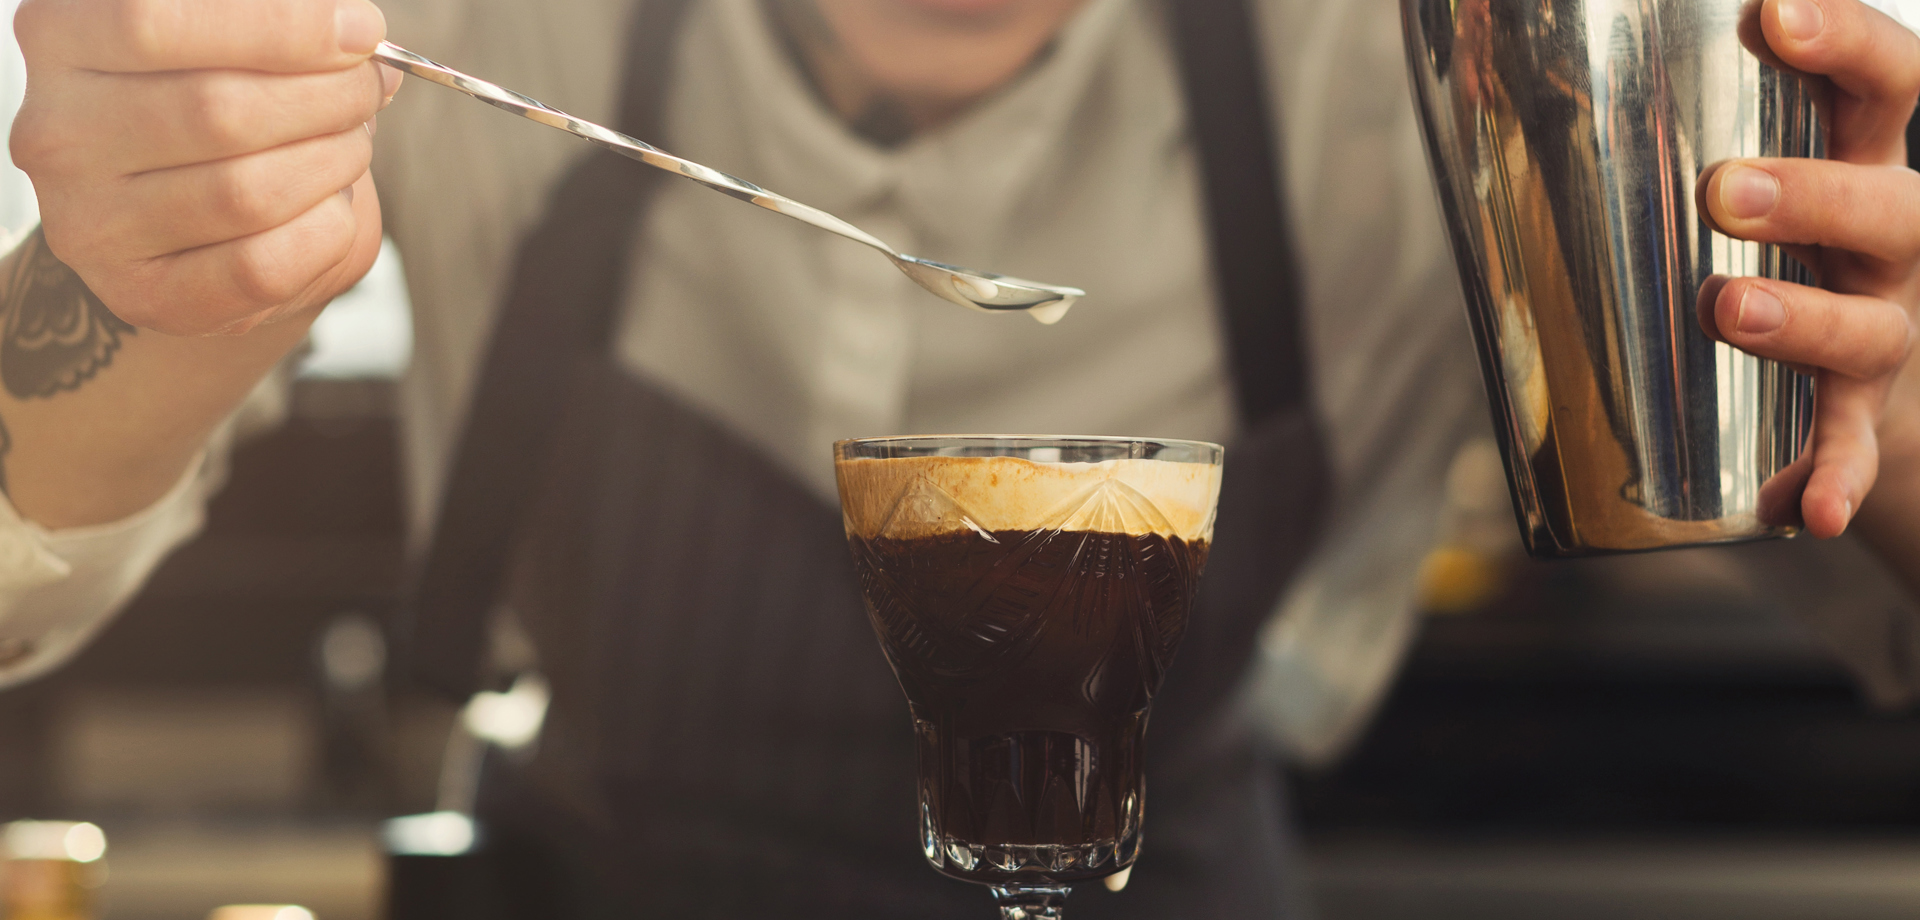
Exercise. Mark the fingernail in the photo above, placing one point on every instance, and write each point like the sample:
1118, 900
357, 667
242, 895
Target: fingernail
1800, 19
358, 26
1704, 306
1747, 193
1760, 312
389, 83
347, 193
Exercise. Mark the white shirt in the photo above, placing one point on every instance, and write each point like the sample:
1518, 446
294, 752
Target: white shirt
1080, 172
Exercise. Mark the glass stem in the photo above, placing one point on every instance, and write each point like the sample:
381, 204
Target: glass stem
1028, 902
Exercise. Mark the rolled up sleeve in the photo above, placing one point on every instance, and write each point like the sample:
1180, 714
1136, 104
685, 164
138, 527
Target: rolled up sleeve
60, 588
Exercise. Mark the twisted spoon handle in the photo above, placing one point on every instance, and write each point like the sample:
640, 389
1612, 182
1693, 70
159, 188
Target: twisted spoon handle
499, 96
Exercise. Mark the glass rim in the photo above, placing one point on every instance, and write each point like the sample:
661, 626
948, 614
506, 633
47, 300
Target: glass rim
1076, 438
1203, 451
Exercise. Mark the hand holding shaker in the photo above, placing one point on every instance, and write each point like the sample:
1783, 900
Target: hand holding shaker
1567, 138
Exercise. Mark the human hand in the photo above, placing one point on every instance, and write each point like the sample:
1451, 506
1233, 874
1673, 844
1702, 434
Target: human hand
202, 164
1854, 219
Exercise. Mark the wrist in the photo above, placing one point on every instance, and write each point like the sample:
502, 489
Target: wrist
118, 441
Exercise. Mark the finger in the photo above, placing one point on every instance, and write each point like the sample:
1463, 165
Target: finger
119, 125
232, 286
1859, 208
192, 206
360, 257
1872, 59
1846, 457
365, 204
284, 36
1780, 495
1849, 334
1704, 306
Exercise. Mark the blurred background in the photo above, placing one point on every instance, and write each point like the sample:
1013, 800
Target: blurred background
1652, 736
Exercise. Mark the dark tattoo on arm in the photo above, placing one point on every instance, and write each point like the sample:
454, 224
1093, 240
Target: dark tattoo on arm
55, 336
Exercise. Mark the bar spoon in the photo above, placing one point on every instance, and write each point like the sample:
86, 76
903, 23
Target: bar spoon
967, 287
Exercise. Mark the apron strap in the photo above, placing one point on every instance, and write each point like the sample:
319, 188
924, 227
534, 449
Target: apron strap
565, 284
1254, 263
568, 276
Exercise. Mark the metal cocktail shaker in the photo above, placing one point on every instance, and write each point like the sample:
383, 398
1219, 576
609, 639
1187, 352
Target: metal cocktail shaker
1567, 138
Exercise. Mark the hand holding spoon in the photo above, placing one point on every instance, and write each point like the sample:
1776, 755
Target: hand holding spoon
964, 286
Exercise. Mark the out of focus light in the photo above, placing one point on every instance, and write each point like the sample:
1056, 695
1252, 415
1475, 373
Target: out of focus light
68, 841
511, 719
85, 843
439, 833
261, 912
367, 332
353, 653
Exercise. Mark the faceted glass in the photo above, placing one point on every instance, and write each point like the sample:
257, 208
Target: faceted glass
1029, 593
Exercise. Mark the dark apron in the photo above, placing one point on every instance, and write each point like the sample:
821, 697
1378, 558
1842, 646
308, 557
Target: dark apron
725, 738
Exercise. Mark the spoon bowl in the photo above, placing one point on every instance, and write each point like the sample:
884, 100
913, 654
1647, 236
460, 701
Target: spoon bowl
988, 292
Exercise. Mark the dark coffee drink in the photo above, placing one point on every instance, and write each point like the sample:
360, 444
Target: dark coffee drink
1029, 659
1030, 654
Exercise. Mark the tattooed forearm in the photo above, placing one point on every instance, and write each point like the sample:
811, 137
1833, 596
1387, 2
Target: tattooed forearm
55, 335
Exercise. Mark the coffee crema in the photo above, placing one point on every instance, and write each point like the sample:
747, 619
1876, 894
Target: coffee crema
1013, 493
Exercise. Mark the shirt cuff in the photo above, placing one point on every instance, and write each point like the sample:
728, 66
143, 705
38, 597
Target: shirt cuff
58, 588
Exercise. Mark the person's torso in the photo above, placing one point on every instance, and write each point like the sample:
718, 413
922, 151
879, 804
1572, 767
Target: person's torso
685, 578
793, 338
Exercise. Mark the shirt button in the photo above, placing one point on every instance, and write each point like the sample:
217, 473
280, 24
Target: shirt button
13, 650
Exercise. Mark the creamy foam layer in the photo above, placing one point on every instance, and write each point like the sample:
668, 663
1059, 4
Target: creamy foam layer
916, 496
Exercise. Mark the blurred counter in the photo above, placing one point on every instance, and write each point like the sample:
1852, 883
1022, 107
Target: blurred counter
176, 870
1656, 736
1617, 878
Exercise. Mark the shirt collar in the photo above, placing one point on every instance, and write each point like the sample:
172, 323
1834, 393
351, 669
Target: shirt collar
967, 176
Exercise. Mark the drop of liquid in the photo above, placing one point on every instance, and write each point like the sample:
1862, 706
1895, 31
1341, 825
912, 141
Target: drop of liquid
1053, 312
